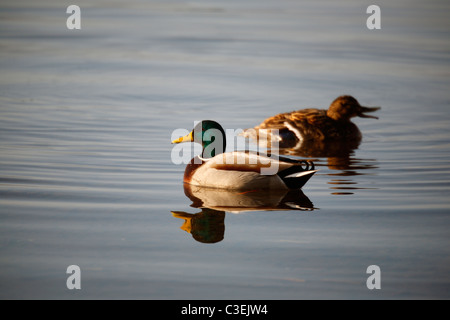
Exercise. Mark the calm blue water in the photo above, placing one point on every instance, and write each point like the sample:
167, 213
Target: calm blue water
86, 177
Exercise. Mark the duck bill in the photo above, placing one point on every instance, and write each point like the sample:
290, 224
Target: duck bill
186, 138
181, 214
364, 110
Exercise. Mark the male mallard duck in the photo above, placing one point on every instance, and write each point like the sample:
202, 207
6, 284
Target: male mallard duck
315, 124
239, 170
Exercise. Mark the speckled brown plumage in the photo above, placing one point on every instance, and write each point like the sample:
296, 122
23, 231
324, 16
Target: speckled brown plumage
320, 124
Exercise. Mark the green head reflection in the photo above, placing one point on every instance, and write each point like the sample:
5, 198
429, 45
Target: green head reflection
206, 226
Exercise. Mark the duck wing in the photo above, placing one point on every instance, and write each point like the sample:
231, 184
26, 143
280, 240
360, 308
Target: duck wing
293, 173
306, 124
251, 161
299, 117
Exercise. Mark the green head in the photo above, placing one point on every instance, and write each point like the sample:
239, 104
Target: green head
210, 135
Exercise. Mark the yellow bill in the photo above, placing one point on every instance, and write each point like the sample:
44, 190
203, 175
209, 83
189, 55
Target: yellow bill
187, 138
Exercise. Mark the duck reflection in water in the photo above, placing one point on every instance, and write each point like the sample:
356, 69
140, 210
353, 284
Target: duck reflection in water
339, 157
208, 225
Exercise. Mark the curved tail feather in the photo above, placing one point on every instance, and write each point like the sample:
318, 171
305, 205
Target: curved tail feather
296, 176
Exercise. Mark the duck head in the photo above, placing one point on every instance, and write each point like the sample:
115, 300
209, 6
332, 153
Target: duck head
210, 135
344, 108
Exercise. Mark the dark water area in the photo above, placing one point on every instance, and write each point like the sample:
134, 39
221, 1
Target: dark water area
86, 170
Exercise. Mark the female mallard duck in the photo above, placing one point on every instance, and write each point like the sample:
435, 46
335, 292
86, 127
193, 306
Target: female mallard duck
239, 170
315, 124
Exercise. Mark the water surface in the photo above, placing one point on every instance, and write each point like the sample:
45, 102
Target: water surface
86, 177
